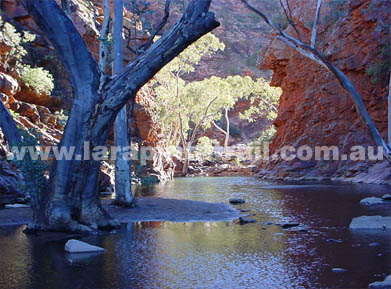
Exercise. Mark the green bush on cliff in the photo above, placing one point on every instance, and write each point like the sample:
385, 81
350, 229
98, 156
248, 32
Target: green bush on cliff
38, 79
12, 60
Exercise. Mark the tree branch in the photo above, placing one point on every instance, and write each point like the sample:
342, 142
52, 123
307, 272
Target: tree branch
198, 126
103, 51
53, 21
219, 128
311, 52
195, 23
316, 21
161, 25
288, 15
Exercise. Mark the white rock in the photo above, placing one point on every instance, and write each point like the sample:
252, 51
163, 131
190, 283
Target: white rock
371, 222
75, 246
338, 270
386, 197
371, 201
386, 284
14, 206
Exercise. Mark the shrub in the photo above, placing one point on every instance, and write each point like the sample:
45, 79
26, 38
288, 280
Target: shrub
12, 60
205, 147
266, 136
33, 171
38, 79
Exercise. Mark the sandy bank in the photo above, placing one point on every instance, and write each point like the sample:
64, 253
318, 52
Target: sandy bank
147, 209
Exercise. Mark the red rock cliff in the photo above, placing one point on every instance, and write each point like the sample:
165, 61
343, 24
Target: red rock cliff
314, 109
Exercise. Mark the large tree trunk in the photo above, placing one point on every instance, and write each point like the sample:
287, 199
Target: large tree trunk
389, 113
123, 190
8, 126
72, 203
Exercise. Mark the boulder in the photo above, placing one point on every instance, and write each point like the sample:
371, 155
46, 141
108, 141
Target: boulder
338, 270
8, 84
387, 197
371, 222
371, 201
243, 220
332, 241
386, 284
76, 246
289, 225
16, 206
236, 201
30, 111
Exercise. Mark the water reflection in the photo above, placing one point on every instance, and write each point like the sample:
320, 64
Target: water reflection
216, 255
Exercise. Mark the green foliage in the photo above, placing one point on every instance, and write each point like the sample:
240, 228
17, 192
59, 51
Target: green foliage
205, 147
237, 162
264, 101
38, 79
33, 171
174, 96
266, 137
380, 69
188, 60
12, 60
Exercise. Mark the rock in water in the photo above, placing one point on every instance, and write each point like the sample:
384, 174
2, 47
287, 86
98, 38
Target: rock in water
236, 201
386, 284
338, 270
332, 241
371, 222
243, 221
371, 201
386, 197
75, 246
289, 225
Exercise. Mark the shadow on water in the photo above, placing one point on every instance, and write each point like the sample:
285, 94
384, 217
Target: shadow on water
218, 255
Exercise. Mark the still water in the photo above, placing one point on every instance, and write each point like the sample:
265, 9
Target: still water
219, 255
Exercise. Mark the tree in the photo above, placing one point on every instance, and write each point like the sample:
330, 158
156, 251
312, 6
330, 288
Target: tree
237, 87
263, 102
123, 190
175, 106
310, 51
72, 202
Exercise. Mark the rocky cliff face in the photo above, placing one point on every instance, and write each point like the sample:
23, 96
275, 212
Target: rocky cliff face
314, 109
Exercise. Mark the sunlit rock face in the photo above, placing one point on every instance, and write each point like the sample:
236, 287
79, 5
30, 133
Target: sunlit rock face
314, 109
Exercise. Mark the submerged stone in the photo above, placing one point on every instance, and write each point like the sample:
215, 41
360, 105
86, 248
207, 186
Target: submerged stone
243, 220
371, 222
236, 201
371, 201
76, 246
338, 270
386, 284
289, 225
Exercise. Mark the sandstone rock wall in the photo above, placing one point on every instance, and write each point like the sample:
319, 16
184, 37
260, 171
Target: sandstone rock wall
314, 109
